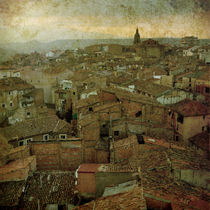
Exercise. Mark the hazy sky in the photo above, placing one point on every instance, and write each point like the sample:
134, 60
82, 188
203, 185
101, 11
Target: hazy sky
47, 20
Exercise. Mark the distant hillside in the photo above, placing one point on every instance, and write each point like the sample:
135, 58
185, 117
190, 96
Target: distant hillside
6, 50
41, 47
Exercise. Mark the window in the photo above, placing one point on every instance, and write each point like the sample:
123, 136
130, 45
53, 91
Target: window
21, 143
203, 128
74, 93
180, 118
116, 133
28, 140
177, 138
62, 136
207, 90
138, 113
28, 114
140, 139
46, 137
3, 105
11, 104
10, 93
90, 109
61, 207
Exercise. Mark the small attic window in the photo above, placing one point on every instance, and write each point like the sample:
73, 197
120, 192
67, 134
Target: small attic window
90, 109
28, 140
46, 137
63, 136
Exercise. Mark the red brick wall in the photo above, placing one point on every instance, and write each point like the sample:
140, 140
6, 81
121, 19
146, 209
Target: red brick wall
70, 155
57, 156
47, 162
91, 132
102, 156
125, 148
89, 155
131, 108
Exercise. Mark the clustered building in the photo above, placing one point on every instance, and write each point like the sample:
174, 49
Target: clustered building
126, 125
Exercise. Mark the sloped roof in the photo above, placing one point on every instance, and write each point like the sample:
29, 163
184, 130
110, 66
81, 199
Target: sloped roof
126, 95
36, 126
150, 88
93, 168
189, 107
150, 42
10, 193
14, 83
128, 200
201, 140
90, 101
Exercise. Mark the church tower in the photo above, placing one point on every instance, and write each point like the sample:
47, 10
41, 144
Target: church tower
137, 37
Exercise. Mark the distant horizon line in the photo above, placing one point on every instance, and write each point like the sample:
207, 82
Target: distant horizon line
42, 41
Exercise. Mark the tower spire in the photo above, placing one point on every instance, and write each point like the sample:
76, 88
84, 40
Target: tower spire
136, 37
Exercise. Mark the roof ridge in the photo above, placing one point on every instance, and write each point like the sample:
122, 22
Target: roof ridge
56, 125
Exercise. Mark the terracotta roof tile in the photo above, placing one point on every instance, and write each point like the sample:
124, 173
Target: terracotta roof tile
36, 126
201, 140
14, 83
131, 200
190, 108
10, 193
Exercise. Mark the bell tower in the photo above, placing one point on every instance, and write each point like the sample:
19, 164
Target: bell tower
137, 37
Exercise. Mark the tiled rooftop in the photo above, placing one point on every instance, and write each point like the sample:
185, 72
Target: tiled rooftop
10, 193
13, 83
131, 200
49, 188
190, 108
36, 126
